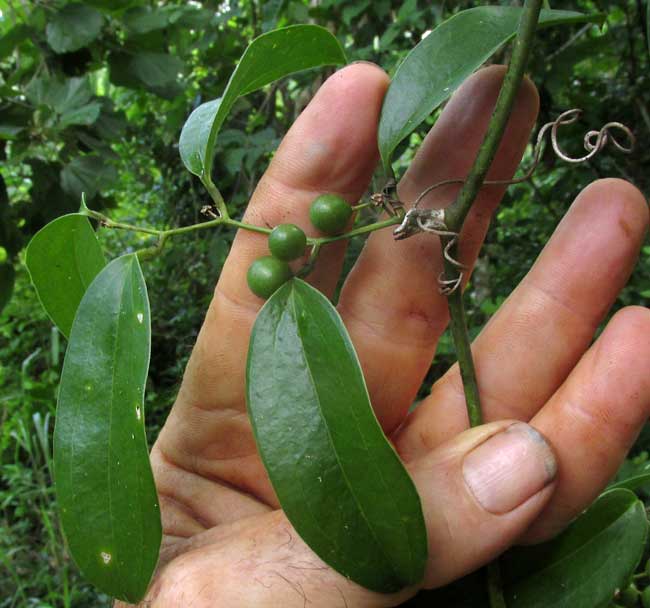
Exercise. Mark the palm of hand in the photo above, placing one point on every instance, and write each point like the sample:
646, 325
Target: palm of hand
226, 541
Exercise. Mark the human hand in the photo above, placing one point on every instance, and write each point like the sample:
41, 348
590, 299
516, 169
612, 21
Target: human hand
226, 541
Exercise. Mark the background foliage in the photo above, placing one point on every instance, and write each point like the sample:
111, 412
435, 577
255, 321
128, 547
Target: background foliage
92, 98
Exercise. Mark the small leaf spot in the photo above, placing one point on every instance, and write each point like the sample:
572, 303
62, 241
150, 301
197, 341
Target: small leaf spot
138, 413
140, 317
106, 557
88, 387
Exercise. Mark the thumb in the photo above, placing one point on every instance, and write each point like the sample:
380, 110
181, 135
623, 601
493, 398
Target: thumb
480, 492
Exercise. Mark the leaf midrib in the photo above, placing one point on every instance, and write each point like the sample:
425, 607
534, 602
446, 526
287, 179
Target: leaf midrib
334, 450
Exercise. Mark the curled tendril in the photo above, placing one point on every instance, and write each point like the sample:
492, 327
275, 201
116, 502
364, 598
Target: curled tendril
594, 142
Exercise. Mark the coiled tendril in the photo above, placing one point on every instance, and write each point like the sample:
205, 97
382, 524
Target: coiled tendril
594, 142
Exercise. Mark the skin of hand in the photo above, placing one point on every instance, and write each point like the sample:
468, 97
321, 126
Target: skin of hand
561, 412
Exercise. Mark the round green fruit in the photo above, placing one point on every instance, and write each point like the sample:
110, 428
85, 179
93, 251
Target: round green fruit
266, 275
645, 597
330, 213
287, 242
629, 597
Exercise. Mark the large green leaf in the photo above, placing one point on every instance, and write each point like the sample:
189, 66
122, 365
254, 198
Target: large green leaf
269, 57
584, 565
104, 485
437, 66
73, 27
337, 477
63, 258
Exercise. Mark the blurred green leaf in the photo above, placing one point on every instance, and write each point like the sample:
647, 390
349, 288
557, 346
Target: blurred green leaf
338, 478
143, 19
585, 564
63, 258
85, 115
87, 175
438, 65
70, 99
632, 483
104, 485
12, 39
157, 72
269, 57
73, 27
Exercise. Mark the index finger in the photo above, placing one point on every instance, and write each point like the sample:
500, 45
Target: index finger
332, 147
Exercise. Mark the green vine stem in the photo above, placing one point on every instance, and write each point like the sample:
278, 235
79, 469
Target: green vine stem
224, 220
220, 204
455, 217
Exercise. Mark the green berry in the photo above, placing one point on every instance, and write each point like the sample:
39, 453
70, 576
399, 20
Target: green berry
287, 242
645, 597
266, 275
629, 596
330, 213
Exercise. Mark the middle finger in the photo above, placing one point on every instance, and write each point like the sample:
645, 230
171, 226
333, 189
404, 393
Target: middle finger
531, 345
390, 302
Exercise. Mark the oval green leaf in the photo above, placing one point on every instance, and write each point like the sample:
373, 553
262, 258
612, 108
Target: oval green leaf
268, 58
337, 477
438, 65
63, 258
583, 566
104, 485
73, 27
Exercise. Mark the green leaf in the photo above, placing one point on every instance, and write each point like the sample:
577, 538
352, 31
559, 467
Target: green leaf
85, 115
157, 72
87, 174
269, 57
144, 19
438, 65
104, 485
337, 477
63, 258
7, 278
69, 98
12, 39
632, 483
73, 27
583, 566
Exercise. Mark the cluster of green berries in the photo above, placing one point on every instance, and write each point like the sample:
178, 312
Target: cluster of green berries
329, 213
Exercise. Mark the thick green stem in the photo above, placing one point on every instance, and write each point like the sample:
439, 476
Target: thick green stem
456, 213
391, 221
495, 590
455, 217
458, 326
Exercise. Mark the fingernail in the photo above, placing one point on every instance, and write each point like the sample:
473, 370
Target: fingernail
509, 468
